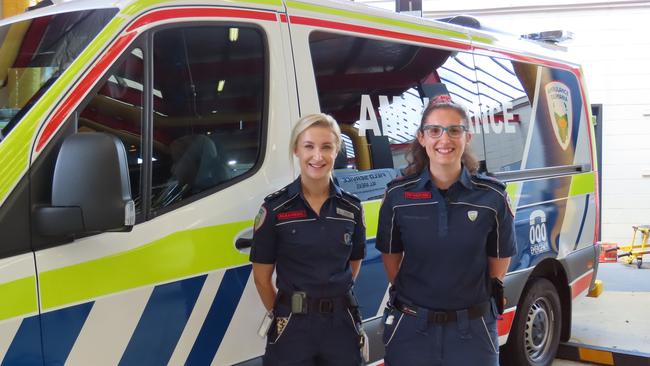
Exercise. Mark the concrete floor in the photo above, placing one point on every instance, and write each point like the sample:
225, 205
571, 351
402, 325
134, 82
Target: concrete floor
620, 317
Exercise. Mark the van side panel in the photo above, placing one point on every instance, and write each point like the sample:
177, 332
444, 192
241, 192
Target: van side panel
19, 328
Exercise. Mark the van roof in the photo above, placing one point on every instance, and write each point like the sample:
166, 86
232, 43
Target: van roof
481, 38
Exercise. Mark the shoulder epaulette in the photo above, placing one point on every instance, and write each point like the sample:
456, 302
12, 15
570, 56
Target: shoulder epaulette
403, 179
275, 194
352, 197
487, 179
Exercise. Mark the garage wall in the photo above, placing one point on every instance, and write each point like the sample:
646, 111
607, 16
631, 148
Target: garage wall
612, 41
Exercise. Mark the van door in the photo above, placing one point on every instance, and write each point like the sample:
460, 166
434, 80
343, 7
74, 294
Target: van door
36, 49
19, 325
198, 97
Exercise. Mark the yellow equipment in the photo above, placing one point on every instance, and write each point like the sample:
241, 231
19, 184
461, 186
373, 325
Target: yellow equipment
636, 250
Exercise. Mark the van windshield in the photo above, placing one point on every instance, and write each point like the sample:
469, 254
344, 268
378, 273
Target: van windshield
34, 52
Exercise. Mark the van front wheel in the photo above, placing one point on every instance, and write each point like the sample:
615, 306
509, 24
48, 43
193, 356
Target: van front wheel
535, 333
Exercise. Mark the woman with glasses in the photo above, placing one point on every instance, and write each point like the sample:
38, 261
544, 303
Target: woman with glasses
446, 235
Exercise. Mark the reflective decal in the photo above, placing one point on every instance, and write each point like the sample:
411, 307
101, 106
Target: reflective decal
538, 234
559, 108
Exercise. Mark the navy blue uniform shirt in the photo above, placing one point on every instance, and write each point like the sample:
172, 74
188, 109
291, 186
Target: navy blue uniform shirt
312, 253
446, 238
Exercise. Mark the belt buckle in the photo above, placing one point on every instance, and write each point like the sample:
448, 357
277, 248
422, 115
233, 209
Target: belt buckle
407, 310
440, 317
326, 306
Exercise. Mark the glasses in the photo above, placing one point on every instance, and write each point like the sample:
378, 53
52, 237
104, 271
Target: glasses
435, 131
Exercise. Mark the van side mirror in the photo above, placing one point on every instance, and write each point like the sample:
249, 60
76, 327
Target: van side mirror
91, 190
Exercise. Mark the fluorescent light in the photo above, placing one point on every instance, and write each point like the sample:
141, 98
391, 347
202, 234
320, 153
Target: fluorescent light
220, 86
152, 159
233, 34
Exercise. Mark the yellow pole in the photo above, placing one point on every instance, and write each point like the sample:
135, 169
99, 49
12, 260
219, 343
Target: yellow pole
14, 7
361, 149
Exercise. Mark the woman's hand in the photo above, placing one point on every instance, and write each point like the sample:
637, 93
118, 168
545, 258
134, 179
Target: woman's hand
355, 266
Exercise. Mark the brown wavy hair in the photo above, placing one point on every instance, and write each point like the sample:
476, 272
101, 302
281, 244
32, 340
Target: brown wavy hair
416, 155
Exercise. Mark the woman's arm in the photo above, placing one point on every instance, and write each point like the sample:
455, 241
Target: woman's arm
392, 262
498, 267
263, 276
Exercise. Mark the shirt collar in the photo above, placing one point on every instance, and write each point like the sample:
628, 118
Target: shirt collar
466, 179
294, 188
425, 179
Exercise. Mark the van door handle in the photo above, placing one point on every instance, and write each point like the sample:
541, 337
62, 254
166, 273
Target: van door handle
245, 240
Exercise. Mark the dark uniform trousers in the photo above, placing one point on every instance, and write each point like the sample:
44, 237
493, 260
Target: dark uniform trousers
313, 339
414, 341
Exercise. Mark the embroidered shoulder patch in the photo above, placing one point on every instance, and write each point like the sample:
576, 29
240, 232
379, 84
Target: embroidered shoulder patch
259, 218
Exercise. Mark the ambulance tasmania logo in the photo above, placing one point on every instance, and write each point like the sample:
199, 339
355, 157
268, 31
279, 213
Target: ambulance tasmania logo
558, 96
472, 215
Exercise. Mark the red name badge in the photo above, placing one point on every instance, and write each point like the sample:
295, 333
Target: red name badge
300, 214
417, 195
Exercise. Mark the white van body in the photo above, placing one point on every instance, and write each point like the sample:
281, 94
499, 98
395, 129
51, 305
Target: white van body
202, 96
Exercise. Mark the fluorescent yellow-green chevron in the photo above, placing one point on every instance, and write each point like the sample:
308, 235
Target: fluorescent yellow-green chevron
18, 298
15, 149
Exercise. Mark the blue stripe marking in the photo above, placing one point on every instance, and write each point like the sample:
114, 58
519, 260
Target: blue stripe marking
162, 322
219, 316
25, 349
370, 286
60, 331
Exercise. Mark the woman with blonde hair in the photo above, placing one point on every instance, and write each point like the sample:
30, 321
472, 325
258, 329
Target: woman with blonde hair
312, 234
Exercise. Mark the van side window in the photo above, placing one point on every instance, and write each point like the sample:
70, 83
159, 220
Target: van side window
117, 109
346, 158
515, 96
368, 84
208, 107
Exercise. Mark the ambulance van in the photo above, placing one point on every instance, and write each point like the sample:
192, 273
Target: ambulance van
139, 137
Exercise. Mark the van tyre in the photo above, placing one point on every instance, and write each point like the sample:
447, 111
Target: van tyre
535, 333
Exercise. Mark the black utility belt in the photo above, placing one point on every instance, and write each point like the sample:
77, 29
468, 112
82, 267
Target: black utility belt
300, 303
447, 316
